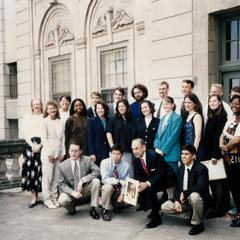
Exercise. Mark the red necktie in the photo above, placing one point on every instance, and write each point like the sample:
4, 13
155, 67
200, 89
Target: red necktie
144, 166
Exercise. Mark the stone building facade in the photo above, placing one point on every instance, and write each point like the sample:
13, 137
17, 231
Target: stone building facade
77, 46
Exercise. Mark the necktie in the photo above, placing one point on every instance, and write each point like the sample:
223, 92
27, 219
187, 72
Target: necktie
159, 110
76, 176
117, 187
144, 166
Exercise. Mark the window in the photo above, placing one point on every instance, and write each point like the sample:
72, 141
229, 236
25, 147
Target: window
61, 78
13, 79
114, 72
13, 128
232, 38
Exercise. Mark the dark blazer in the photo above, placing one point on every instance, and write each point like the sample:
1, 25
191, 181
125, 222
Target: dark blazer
111, 111
147, 133
197, 182
90, 113
97, 140
162, 176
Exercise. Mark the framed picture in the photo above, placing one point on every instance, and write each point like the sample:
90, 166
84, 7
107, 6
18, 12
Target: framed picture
131, 191
217, 171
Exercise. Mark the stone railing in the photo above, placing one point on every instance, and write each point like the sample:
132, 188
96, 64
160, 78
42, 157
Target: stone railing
10, 151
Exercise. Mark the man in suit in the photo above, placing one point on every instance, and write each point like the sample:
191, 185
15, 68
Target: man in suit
78, 179
118, 95
95, 96
154, 175
114, 172
192, 190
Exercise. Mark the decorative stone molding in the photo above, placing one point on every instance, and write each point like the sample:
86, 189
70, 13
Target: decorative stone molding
118, 19
58, 36
140, 27
101, 25
121, 19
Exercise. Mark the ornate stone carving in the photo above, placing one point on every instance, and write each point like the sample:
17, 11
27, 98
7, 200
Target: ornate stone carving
121, 19
101, 25
58, 36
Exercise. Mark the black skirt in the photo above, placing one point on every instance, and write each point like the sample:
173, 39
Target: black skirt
32, 168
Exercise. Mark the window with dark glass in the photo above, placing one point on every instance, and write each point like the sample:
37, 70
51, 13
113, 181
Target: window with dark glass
61, 78
13, 128
12, 67
114, 71
232, 39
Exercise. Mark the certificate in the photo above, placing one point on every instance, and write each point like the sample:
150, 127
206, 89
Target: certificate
217, 171
131, 191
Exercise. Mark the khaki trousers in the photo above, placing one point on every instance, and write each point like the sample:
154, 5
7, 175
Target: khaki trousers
107, 191
90, 189
50, 174
195, 202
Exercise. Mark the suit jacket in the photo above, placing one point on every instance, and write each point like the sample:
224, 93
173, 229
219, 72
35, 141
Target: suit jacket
111, 114
168, 138
197, 182
147, 133
90, 112
88, 169
97, 140
162, 176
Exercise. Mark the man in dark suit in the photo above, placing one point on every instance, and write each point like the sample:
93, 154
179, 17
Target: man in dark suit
192, 190
95, 96
154, 175
78, 179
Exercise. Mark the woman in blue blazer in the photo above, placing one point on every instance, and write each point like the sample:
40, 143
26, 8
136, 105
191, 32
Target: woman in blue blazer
98, 147
167, 140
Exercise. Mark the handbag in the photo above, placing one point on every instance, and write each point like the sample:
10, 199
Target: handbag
217, 171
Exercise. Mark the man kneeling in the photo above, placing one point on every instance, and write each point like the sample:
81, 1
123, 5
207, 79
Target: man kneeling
78, 179
114, 172
192, 191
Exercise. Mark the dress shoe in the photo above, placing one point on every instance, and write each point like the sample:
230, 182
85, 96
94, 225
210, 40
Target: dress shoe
235, 223
150, 215
196, 229
94, 214
32, 204
139, 208
39, 201
155, 221
106, 216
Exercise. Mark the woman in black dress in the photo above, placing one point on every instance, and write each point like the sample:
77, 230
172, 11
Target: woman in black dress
147, 124
76, 126
216, 119
32, 129
122, 130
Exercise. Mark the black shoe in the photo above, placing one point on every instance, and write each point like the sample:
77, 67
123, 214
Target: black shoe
93, 213
139, 208
31, 205
39, 201
150, 215
155, 221
196, 229
106, 216
235, 223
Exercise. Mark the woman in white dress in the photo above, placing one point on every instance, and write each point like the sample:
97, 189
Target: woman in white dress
53, 152
32, 130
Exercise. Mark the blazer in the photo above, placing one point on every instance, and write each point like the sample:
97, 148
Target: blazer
88, 169
147, 133
161, 175
168, 138
197, 182
97, 140
90, 112
111, 114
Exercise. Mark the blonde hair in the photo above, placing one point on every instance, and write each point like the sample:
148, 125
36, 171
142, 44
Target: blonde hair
40, 101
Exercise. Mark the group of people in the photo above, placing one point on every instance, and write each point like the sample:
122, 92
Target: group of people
74, 153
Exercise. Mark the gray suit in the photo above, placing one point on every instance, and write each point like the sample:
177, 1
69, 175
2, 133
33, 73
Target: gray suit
90, 171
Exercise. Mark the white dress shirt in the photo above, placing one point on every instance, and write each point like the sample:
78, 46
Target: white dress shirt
185, 178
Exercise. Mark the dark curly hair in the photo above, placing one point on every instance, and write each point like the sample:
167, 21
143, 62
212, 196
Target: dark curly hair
72, 111
140, 87
149, 103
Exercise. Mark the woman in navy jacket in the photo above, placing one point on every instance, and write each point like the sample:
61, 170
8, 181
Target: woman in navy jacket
147, 124
98, 147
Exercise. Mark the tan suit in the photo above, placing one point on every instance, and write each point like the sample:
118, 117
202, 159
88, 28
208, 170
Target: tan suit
90, 171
